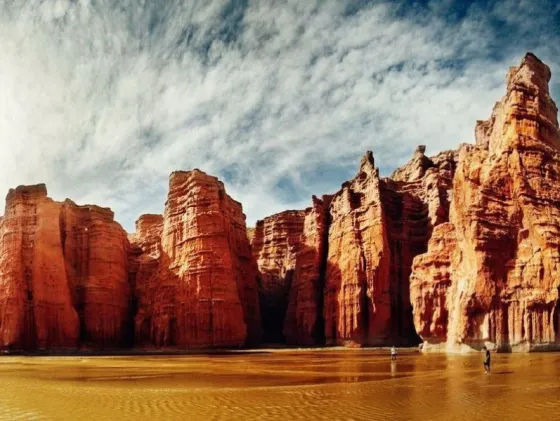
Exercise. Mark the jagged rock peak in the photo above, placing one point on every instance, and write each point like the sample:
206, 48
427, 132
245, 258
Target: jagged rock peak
527, 110
491, 275
415, 168
420, 150
367, 161
531, 71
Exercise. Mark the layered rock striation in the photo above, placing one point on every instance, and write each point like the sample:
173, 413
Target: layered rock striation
72, 278
195, 278
457, 250
96, 250
63, 271
289, 249
461, 248
491, 275
357, 304
276, 242
304, 320
416, 200
344, 263
145, 258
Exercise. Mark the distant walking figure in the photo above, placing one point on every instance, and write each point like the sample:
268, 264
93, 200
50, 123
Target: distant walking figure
486, 360
393, 354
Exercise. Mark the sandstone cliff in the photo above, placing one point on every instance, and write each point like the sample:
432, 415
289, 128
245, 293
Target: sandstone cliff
416, 200
304, 321
95, 250
63, 271
144, 265
461, 248
492, 273
195, 279
276, 242
357, 304
343, 265
289, 249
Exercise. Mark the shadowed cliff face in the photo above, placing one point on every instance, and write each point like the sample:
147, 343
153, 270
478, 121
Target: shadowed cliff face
145, 258
276, 244
347, 260
290, 250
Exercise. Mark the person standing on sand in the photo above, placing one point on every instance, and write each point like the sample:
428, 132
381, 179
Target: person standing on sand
486, 359
393, 353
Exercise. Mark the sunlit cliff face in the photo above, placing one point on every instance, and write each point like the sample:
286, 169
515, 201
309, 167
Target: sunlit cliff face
103, 99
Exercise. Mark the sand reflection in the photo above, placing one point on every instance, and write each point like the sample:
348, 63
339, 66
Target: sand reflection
357, 384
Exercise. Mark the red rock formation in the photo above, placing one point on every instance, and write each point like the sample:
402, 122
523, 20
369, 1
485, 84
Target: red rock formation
144, 266
290, 251
96, 253
345, 263
469, 240
250, 234
430, 281
357, 305
63, 269
492, 275
36, 308
304, 322
415, 199
203, 292
276, 243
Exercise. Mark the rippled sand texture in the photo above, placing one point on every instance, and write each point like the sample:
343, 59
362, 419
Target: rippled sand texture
333, 385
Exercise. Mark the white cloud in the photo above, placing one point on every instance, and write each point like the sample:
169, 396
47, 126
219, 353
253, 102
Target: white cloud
102, 100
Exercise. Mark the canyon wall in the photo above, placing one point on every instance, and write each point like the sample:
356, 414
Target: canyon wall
289, 249
458, 250
491, 275
461, 248
148, 288
276, 242
416, 200
338, 272
71, 277
304, 321
63, 272
95, 250
194, 276
357, 303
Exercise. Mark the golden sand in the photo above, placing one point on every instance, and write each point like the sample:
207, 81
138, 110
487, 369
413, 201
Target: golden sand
301, 385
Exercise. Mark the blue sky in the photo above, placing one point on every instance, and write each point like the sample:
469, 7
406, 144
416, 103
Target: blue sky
101, 100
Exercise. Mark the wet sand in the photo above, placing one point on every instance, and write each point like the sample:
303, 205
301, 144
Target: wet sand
296, 385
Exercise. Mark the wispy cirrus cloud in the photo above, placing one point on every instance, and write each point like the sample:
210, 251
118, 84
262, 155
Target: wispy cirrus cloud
103, 99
